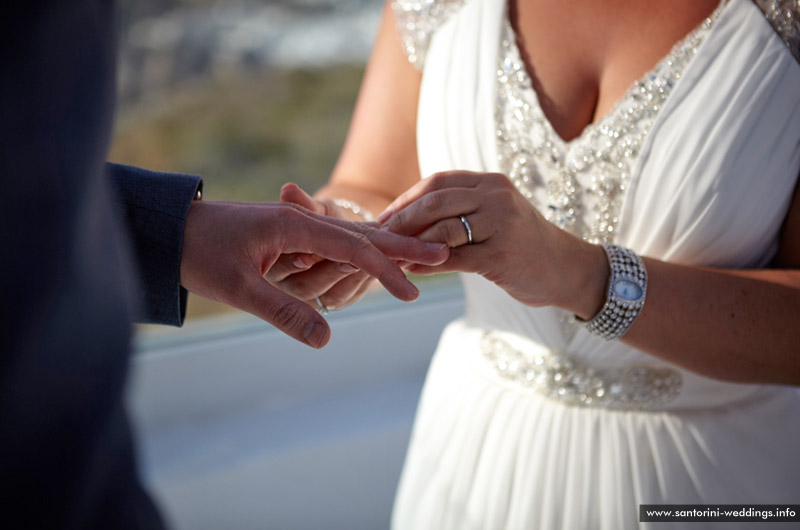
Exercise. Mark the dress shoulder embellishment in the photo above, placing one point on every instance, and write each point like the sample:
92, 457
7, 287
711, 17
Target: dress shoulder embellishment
418, 20
784, 16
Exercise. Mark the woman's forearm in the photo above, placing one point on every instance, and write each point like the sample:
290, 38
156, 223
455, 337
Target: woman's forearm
733, 325
729, 324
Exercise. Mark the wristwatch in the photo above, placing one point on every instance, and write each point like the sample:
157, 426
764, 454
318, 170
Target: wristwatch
627, 288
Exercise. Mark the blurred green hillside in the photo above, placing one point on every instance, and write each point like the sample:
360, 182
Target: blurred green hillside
246, 135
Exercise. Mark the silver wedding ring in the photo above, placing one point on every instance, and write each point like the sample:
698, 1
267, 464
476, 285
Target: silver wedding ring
322, 308
467, 228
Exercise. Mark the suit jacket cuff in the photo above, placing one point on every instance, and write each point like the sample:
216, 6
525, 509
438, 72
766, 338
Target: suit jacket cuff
155, 206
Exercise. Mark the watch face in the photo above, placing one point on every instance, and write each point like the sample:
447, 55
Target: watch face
628, 290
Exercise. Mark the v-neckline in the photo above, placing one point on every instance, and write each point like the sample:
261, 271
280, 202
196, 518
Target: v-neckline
566, 145
580, 184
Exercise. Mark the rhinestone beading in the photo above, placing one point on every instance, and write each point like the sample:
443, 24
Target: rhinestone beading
418, 20
784, 17
356, 208
579, 185
619, 312
572, 383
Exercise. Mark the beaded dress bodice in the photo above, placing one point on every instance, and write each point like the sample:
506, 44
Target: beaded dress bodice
668, 172
579, 185
525, 424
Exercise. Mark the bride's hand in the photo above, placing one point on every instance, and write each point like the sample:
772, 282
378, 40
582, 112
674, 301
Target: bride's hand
512, 244
311, 278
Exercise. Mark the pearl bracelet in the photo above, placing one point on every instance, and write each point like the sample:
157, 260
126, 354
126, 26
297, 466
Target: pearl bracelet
355, 208
627, 288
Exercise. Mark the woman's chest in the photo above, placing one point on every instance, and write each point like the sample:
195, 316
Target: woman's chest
685, 131
583, 55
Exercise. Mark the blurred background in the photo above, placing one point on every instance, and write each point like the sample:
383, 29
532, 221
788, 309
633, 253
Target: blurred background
248, 94
238, 426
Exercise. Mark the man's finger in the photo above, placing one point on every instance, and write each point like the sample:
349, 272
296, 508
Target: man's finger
288, 314
393, 246
346, 291
316, 281
289, 264
328, 238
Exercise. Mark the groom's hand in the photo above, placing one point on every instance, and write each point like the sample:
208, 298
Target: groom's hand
321, 281
229, 247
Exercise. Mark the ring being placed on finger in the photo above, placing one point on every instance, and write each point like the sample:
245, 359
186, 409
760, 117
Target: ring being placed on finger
322, 308
467, 228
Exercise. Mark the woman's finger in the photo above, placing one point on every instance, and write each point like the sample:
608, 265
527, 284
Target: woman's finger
432, 208
462, 259
439, 181
291, 192
457, 231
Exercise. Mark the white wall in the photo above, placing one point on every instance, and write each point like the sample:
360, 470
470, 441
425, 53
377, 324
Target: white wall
243, 428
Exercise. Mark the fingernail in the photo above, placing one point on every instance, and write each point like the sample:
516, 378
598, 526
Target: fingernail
347, 268
436, 246
415, 291
315, 334
300, 263
384, 216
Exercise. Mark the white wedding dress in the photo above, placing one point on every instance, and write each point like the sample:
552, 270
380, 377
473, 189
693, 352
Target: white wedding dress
527, 421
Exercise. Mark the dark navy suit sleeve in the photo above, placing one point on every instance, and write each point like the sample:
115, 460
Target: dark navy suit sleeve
67, 458
154, 206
